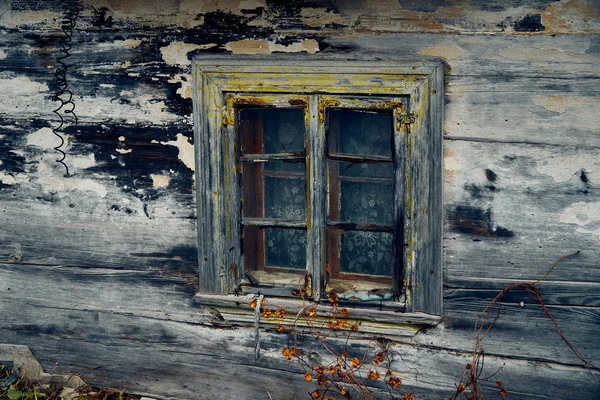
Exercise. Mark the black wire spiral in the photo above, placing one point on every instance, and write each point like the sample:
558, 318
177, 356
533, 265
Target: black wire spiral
63, 95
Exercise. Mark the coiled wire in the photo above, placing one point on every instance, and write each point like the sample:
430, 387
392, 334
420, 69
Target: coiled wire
63, 95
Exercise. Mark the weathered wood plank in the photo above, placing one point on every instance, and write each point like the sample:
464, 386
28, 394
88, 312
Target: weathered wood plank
555, 292
512, 210
177, 360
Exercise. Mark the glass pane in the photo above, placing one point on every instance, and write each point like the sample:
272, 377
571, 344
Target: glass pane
271, 130
365, 252
366, 203
360, 132
269, 191
285, 248
363, 169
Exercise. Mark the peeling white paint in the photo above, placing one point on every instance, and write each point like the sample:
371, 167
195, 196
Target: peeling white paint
121, 138
563, 169
186, 150
185, 91
76, 162
45, 139
142, 108
585, 215
7, 179
160, 181
123, 151
2, 54
176, 52
21, 86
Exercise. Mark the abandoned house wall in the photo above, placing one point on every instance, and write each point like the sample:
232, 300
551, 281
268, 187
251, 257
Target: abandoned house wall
98, 270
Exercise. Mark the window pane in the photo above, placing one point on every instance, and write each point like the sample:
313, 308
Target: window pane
366, 203
269, 190
364, 169
365, 252
285, 248
360, 132
271, 130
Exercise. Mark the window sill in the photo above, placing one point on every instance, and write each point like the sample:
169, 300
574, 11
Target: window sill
236, 310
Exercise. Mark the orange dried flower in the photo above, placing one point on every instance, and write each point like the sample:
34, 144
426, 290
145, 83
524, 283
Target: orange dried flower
344, 312
312, 311
394, 381
333, 297
319, 369
334, 325
253, 303
280, 313
288, 354
322, 380
355, 362
263, 302
334, 313
316, 394
461, 388
354, 327
469, 366
373, 375
280, 328
344, 354
504, 392
333, 369
409, 396
308, 377
343, 391
499, 383
379, 357
267, 313
328, 398
345, 324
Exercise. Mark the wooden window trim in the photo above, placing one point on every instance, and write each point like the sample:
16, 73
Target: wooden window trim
218, 79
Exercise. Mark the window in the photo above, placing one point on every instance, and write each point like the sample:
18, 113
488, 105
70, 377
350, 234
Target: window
320, 175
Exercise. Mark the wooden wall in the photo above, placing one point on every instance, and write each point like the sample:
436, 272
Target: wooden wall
98, 270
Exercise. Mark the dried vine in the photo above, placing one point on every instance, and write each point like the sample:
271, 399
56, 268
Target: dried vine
347, 375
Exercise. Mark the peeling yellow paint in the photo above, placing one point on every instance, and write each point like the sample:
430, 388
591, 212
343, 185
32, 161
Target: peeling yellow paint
452, 164
248, 46
160, 181
450, 52
123, 151
121, 138
317, 17
560, 104
253, 46
176, 52
547, 55
571, 16
128, 43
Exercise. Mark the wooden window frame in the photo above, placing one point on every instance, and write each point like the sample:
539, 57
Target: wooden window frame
221, 83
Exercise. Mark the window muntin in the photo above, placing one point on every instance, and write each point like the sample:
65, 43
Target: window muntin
359, 158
